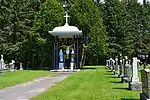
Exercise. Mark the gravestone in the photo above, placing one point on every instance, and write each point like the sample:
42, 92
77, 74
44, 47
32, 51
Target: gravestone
12, 65
116, 66
2, 64
138, 64
107, 63
126, 77
111, 64
124, 68
109, 68
135, 84
121, 69
21, 68
145, 78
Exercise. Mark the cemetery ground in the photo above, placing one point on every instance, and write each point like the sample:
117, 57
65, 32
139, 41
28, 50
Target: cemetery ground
12, 78
92, 83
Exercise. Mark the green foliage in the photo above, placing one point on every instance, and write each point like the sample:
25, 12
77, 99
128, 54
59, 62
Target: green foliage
16, 20
86, 15
125, 23
49, 16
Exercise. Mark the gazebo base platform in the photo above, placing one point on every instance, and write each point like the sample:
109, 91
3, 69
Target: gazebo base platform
65, 70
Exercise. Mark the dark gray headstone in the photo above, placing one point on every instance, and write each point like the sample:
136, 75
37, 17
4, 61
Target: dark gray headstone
126, 77
145, 78
121, 69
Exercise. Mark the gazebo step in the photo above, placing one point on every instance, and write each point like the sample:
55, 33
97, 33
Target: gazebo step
65, 70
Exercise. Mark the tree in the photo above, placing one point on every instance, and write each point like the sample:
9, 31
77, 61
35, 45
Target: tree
50, 15
86, 15
16, 20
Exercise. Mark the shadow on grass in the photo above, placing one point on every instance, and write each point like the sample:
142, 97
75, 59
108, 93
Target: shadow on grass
123, 89
108, 71
112, 77
116, 82
109, 74
38, 69
128, 99
87, 68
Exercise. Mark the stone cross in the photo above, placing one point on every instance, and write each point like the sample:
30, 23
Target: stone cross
135, 84
21, 68
66, 12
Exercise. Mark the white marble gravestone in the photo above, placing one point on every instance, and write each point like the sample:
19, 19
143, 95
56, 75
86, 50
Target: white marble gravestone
2, 63
116, 66
12, 65
135, 84
113, 65
21, 68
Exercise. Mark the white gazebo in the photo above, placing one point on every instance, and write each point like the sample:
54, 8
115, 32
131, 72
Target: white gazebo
65, 31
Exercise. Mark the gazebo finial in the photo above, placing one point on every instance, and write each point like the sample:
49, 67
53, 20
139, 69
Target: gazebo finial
66, 11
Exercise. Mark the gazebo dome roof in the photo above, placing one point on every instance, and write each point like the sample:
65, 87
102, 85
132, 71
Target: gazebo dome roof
65, 31
66, 27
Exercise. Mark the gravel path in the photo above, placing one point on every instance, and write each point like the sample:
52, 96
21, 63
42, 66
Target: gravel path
27, 90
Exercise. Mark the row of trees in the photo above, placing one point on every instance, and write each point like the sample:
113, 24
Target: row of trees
108, 29
128, 25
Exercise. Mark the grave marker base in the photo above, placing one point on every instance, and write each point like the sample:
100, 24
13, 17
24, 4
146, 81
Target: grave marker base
120, 76
143, 97
125, 79
135, 85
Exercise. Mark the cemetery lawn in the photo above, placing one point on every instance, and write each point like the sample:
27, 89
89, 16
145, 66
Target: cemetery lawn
92, 83
16, 77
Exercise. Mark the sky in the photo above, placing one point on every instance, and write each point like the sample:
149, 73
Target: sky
140, 1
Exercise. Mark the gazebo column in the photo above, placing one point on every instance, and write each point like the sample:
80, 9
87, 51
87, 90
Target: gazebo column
75, 61
77, 55
56, 63
76, 52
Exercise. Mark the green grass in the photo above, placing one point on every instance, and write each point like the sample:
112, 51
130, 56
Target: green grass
16, 77
90, 84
